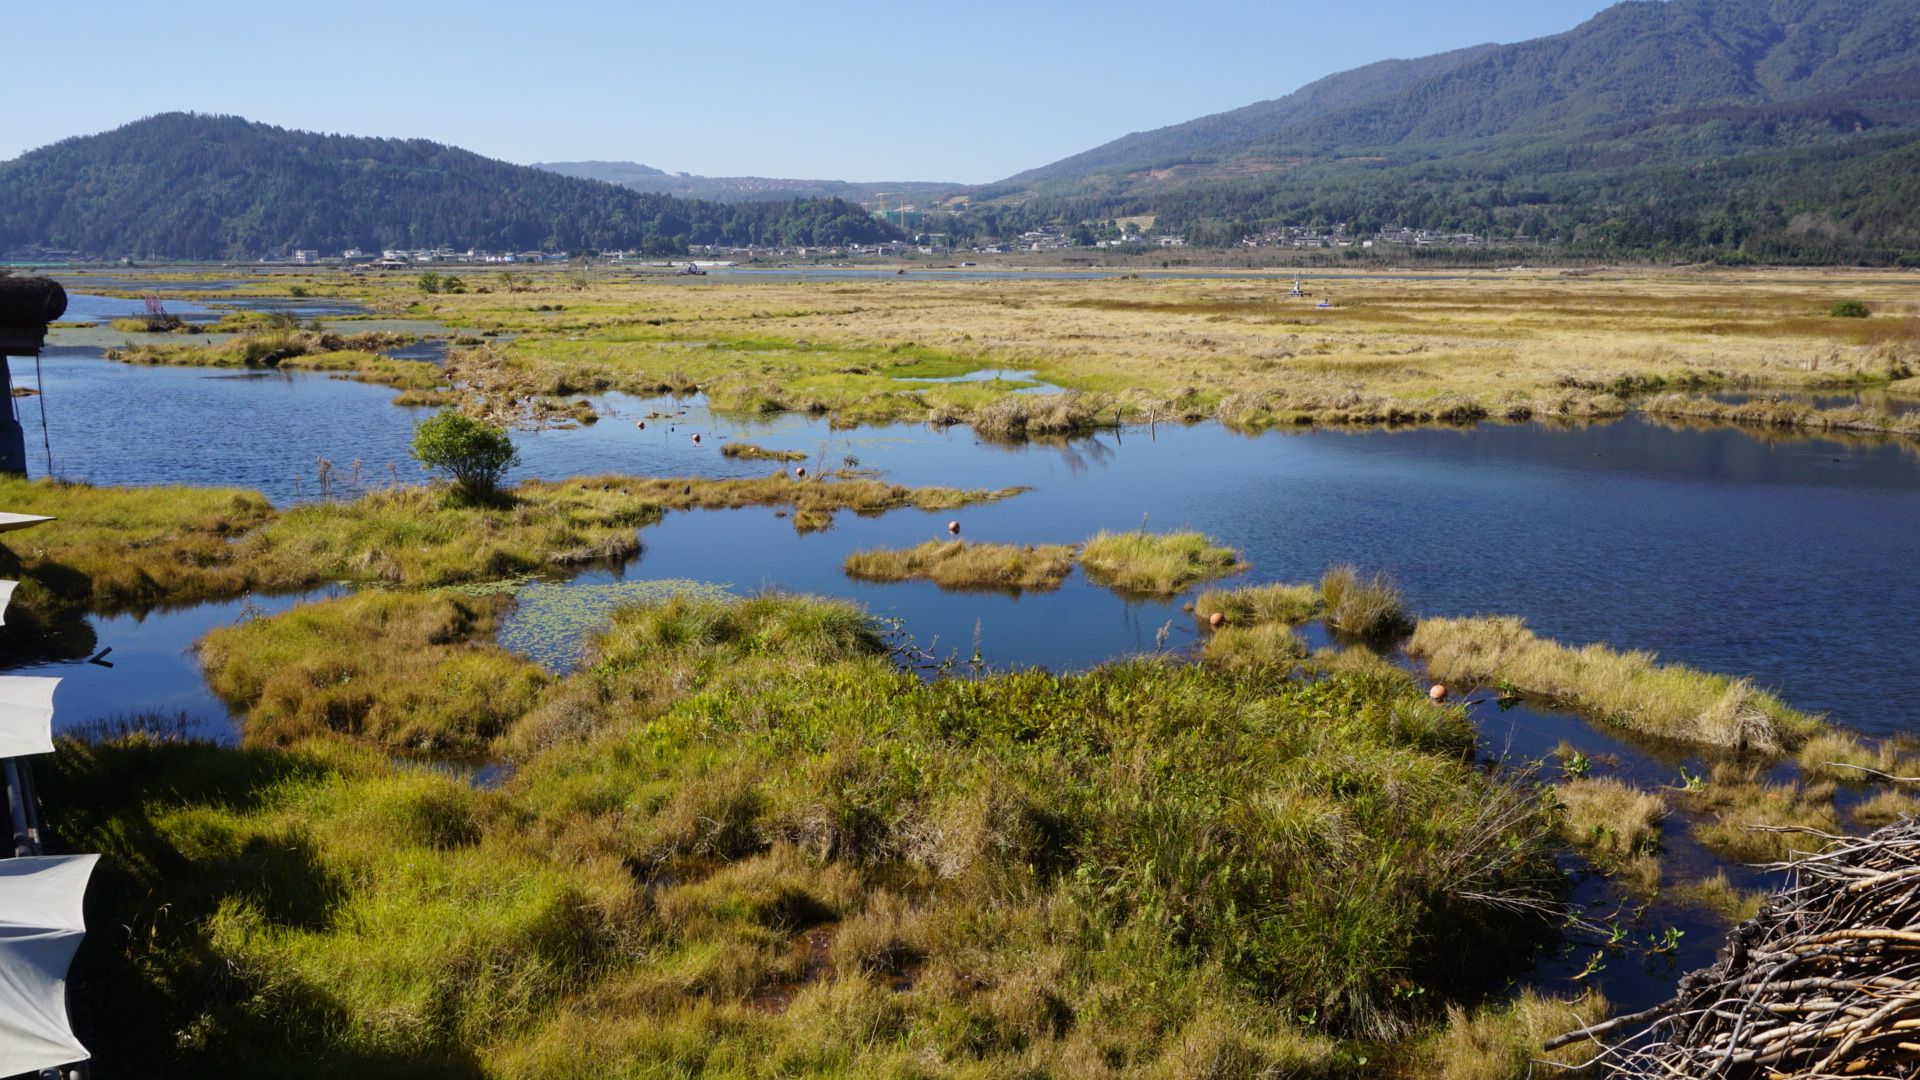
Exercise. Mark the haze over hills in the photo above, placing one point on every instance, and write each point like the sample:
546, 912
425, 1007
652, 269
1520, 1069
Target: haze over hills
1656, 124
185, 185
639, 177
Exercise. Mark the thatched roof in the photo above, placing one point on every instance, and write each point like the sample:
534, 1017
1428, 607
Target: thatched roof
30, 301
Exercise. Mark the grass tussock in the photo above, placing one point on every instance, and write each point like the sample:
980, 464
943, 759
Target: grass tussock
957, 564
413, 671
1728, 903
1503, 1040
1362, 607
1256, 604
1260, 646
1615, 825
1156, 563
1741, 806
1885, 808
747, 451
1629, 689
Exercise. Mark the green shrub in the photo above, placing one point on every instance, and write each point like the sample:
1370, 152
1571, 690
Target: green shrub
477, 454
1849, 309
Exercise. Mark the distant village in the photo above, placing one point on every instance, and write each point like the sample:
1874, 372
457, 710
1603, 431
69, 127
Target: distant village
1047, 238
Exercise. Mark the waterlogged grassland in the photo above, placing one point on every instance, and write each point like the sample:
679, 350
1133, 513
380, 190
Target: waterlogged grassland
1156, 563
117, 547
1425, 348
741, 842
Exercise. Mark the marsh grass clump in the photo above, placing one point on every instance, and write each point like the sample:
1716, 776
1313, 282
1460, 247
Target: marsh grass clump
1630, 689
1254, 604
1260, 646
1616, 825
1503, 1040
1717, 894
1156, 563
958, 564
1785, 413
414, 671
747, 451
1740, 802
1362, 607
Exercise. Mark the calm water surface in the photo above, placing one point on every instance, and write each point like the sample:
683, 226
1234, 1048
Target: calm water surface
1789, 561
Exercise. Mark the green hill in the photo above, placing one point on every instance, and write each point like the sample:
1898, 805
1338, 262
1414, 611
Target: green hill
184, 185
1688, 127
639, 177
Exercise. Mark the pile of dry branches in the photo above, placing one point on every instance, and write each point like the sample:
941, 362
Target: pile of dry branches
1824, 982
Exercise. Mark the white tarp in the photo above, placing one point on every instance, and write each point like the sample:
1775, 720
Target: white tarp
26, 718
6, 597
11, 521
40, 927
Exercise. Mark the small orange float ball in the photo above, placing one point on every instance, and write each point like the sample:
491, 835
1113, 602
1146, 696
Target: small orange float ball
1217, 620
953, 527
1437, 692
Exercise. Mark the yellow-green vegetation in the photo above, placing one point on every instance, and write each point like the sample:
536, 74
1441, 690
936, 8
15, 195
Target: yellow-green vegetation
1254, 604
1261, 645
123, 546
1842, 755
116, 546
1423, 349
741, 842
1502, 1041
747, 451
1786, 414
415, 671
353, 355
1628, 689
1616, 825
1156, 563
1361, 607
957, 564
1729, 903
1884, 808
1743, 809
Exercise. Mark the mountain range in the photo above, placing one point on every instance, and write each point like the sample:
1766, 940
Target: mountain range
1778, 130
629, 174
185, 185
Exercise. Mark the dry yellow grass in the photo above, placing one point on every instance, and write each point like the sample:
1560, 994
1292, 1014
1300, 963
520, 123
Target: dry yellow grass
1422, 349
1630, 689
1617, 826
1156, 563
1743, 810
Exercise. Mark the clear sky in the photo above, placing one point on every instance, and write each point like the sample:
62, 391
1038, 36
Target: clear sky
966, 92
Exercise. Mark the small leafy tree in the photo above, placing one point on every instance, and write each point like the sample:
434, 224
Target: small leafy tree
452, 283
476, 454
429, 282
1848, 309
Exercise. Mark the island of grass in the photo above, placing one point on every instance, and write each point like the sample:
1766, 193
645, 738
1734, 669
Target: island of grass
741, 840
958, 564
1628, 689
1156, 563
747, 451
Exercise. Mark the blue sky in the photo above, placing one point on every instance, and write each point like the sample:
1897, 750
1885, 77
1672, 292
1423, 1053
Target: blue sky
966, 92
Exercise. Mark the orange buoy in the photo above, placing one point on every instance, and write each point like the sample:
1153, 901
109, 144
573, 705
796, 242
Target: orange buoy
953, 527
696, 436
1438, 692
641, 424
801, 472
1217, 620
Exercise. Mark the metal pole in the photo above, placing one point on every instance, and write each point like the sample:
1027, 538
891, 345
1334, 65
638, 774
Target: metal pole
17, 806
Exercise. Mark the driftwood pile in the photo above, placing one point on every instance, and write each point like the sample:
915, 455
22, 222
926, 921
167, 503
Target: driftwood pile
1824, 982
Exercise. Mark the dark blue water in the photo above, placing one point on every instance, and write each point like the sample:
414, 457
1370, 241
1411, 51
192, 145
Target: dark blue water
1788, 561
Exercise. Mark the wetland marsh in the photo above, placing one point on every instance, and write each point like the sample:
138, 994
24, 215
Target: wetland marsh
731, 822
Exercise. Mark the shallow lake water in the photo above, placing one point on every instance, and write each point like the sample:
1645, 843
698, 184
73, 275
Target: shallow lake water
1788, 561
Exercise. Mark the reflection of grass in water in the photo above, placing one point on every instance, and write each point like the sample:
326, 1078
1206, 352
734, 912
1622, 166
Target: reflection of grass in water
551, 623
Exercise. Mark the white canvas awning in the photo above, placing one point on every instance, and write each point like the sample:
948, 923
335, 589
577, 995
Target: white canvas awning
26, 717
10, 521
40, 927
6, 597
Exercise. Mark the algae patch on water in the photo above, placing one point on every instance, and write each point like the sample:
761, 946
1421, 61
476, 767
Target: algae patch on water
553, 624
